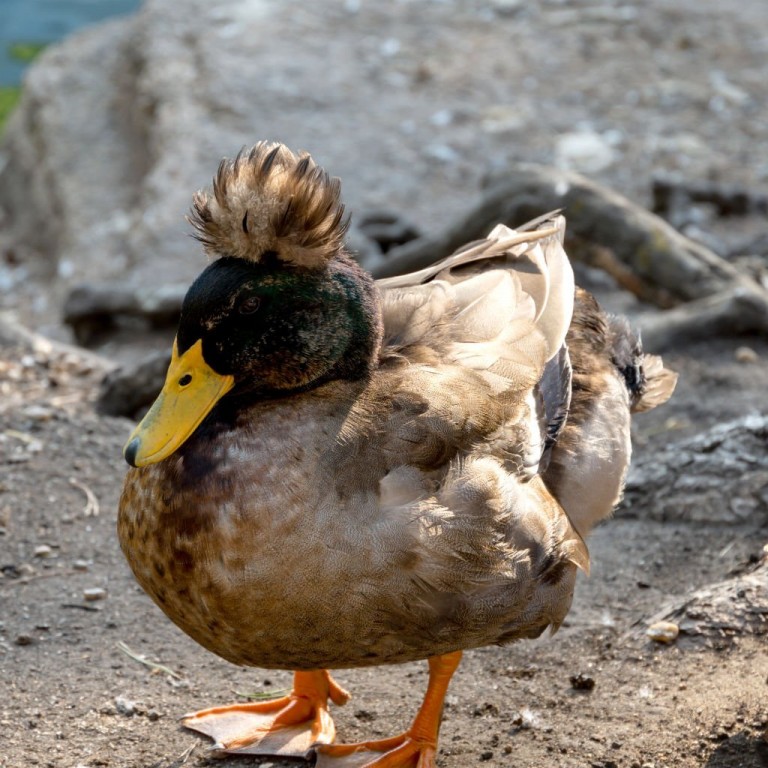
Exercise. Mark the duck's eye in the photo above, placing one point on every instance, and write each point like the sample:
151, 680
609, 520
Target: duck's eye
249, 306
185, 380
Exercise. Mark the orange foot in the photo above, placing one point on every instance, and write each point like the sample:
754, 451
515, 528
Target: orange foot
402, 751
417, 747
286, 727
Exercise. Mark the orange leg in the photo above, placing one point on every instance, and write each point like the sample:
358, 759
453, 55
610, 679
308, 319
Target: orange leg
417, 747
287, 726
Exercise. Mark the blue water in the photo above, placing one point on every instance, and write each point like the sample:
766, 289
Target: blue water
46, 21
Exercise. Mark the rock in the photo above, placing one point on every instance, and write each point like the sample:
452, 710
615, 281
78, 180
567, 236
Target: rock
745, 355
125, 706
94, 593
582, 682
718, 476
663, 632
121, 123
94, 310
387, 228
78, 215
584, 151
43, 551
131, 389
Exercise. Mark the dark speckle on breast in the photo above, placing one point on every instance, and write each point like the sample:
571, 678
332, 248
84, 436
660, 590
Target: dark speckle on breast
183, 560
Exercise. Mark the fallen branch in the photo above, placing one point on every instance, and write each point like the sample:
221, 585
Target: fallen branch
660, 257
723, 611
729, 313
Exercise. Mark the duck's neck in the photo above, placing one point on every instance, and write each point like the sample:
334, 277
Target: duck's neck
355, 346
364, 313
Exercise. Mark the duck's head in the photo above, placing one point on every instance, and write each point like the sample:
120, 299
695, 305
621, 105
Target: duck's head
280, 310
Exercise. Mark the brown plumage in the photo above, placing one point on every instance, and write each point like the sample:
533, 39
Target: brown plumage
358, 496
270, 200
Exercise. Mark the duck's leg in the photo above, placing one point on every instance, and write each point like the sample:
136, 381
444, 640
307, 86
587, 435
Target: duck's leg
417, 747
287, 726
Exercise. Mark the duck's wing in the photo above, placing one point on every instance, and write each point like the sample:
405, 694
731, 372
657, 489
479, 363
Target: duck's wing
472, 388
476, 344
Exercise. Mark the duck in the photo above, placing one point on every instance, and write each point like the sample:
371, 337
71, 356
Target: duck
341, 472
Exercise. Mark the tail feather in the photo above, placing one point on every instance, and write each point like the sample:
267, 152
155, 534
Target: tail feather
659, 384
648, 382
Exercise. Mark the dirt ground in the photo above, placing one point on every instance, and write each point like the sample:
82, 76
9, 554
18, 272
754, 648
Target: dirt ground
73, 697
73, 693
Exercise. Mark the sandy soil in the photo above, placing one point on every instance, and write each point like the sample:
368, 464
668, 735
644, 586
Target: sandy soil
74, 698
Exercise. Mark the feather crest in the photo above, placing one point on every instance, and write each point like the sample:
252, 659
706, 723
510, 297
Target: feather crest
269, 200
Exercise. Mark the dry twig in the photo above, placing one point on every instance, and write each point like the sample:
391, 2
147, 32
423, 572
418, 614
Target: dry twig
92, 508
146, 662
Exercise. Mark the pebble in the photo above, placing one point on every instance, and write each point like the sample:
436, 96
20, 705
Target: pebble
125, 706
81, 565
442, 153
663, 632
582, 682
24, 640
43, 551
94, 593
38, 413
507, 7
745, 355
584, 151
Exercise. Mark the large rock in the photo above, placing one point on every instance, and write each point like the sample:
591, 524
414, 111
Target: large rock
121, 123
410, 103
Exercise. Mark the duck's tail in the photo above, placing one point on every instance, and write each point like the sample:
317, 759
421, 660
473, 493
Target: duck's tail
648, 382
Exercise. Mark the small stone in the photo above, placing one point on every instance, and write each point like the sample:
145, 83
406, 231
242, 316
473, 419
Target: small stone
81, 565
153, 715
94, 593
663, 632
25, 569
507, 7
584, 151
43, 551
24, 640
442, 153
38, 413
125, 706
582, 682
745, 355
488, 755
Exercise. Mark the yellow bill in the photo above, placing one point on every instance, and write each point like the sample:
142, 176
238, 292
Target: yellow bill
190, 391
